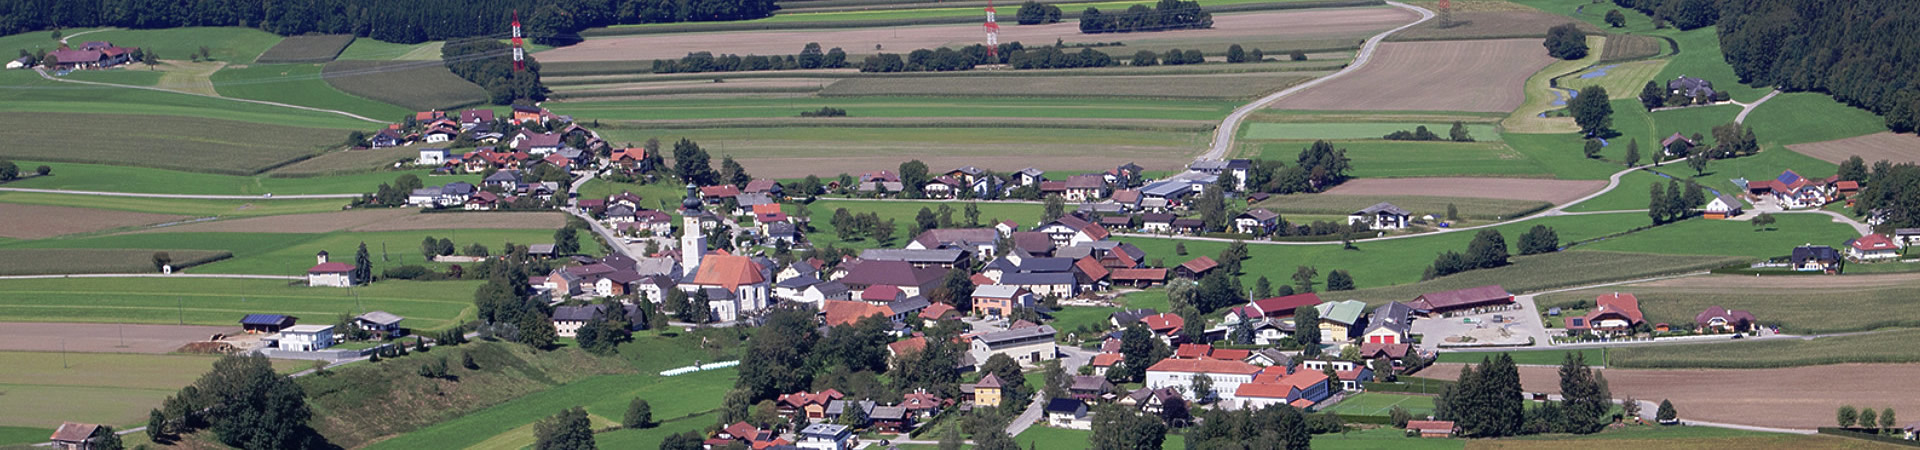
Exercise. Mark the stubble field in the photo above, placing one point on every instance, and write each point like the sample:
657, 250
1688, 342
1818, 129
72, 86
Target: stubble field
1762, 397
1895, 148
1551, 191
1484, 76
38, 221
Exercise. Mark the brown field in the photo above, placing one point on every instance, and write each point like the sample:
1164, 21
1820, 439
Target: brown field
1896, 148
1744, 282
349, 161
1317, 23
1757, 442
1622, 47
1482, 76
402, 219
647, 87
893, 122
1490, 25
102, 337
1237, 85
961, 155
1782, 398
36, 221
1552, 191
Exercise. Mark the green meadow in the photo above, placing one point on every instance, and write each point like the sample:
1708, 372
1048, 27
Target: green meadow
296, 84
233, 45
192, 207
435, 305
1728, 237
733, 108
1389, 159
113, 178
292, 254
1802, 117
44, 96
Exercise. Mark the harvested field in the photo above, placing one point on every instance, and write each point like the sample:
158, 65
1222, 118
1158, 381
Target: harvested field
757, 86
195, 144
103, 337
1624, 47
798, 152
1784, 306
484, 220
1746, 396
1301, 24
306, 49
1181, 87
910, 122
1552, 191
1490, 25
1895, 148
349, 161
374, 220
39, 261
415, 85
37, 221
1470, 208
1551, 271
1484, 76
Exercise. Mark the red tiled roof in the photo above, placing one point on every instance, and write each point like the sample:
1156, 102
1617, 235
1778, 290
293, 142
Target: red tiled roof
936, 311
331, 267
979, 279
1164, 322
1107, 359
1204, 366
1847, 185
721, 191
1192, 351
1300, 403
1091, 267
905, 346
1228, 354
1284, 306
1377, 349
920, 400
766, 208
727, 270
881, 293
1200, 264
1139, 274
843, 312
803, 398
741, 430
1440, 425
1872, 242
1053, 186
1624, 304
74, 432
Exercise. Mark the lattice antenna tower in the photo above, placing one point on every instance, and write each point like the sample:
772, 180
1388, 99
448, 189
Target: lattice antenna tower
993, 35
520, 51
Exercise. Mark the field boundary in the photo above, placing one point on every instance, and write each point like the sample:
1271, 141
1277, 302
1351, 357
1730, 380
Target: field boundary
918, 122
1065, 15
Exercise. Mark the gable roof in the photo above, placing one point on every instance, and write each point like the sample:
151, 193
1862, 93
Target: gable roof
1201, 264
1015, 334
1617, 303
380, 318
1731, 316
731, 271
1260, 214
1460, 297
1164, 321
1139, 274
1091, 268
1107, 359
990, 381
331, 267
1204, 366
898, 273
1872, 242
1344, 312
843, 312
1285, 305
997, 291
881, 292
1383, 207
74, 432
902, 347
1065, 405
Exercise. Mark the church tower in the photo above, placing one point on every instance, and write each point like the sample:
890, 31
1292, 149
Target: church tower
693, 240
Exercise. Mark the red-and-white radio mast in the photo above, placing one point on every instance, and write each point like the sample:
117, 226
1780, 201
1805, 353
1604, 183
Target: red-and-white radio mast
993, 36
519, 51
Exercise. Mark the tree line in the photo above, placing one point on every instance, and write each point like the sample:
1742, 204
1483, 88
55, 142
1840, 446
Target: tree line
1850, 50
1035, 13
810, 57
1489, 250
1486, 401
1888, 192
1683, 14
546, 22
1318, 167
1165, 15
1456, 134
1674, 203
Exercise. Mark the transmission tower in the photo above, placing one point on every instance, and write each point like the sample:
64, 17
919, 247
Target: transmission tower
520, 52
993, 36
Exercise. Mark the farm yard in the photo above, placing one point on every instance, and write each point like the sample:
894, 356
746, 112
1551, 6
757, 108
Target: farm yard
1432, 76
39, 221
1551, 191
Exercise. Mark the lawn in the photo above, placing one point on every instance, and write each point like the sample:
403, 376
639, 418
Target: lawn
23, 435
193, 207
1378, 404
292, 253
650, 194
306, 49
1386, 159
1731, 238
1622, 80
110, 178
115, 389
1072, 319
1787, 308
732, 108
1631, 194
47, 261
135, 107
428, 306
1310, 131
234, 45
1155, 299
903, 213
297, 84
1341, 205
414, 85
1802, 117
1050, 438
1866, 348
1553, 270
1594, 356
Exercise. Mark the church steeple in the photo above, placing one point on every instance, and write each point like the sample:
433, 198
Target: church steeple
693, 239
692, 203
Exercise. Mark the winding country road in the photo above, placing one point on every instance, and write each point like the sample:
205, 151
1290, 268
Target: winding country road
1747, 108
182, 196
1223, 136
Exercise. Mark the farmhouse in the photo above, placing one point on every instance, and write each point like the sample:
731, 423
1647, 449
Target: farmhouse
1381, 216
1070, 230
1085, 188
329, 274
1872, 247
380, 323
1723, 207
1690, 87
75, 436
1025, 345
1068, 413
1715, 318
91, 55
1792, 191
304, 338
1614, 313
1436, 304
1000, 300
914, 281
1677, 145
1815, 258
1256, 221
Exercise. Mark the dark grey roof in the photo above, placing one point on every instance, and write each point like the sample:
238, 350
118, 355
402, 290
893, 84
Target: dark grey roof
1383, 207
577, 313
888, 413
1906, 231
1260, 214
717, 293
831, 289
380, 318
1392, 316
1065, 405
799, 282
1814, 252
1037, 278
457, 188
504, 176
1127, 316
911, 304
1016, 334
945, 255
780, 229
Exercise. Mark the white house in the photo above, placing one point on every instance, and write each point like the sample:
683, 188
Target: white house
1872, 247
1723, 207
1026, 345
432, 157
306, 338
329, 274
825, 436
1381, 216
1227, 376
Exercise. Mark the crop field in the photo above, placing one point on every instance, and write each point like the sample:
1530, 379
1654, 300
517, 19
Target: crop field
1432, 76
130, 107
1298, 131
234, 45
1804, 117
376, 220
1551, 271
1895, 148
368, 49
1469, 208
65, 261
296, 84
1385, 159
36, 221
115, 389
292, 253
1789, 308
1674, 437
429, 306
306, 49
351, 162
1378, 404
1628, 47
1340, 23
798, 152
192, 207
191, 143
100, 177
105, 337
1221, 86
1552, 191
902, 213
1488, 25
1622, 80
733, 108
1747, 397
415, 85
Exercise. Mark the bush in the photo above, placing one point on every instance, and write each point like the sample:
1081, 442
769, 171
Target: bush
407, 272
43, 170
825, 111
1566, 41
1297, 55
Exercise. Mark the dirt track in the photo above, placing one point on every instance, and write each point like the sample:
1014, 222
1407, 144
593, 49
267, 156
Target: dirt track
1554, 191
36, 221
1796, 397
102, 337
1895, 148
1317, 23
401, 219
1484, 76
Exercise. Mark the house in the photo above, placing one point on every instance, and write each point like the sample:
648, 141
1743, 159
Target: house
828, 290
981, 242
1256, 221
1126, 317
525, 113
1690, 87
266, 323
812, 406
1032, 242
736, 275
891, 419
1196, 268
1188, 225
1085, 188
380, 323
1717, 319
329, 274
1435, 304
1351, 373
945, 258
938, 312
1029, 176
306, 338
1000, 300
1227, 376
1815, 258
794, 288
505, 180
1906, 236
475, 117
882, 294
1090, 388
1677, 145
567, 320
1104, 361
942, 187
432, 157
1396, 353
1381, 216
1613, 313
76, 436
1337, 319
1723, 207
1027, 346
1280, 307
1068, 413
1164, 324
1069, 230
1281, 385
1389, 324
1872, 247
1432, 428
1153, 401
440, 133
825, 436
385, 138
1045, 284
1269, 357
914, 281
1791, 191
922, 404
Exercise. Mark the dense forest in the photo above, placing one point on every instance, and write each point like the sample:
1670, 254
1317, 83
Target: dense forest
552, 22
1861, 52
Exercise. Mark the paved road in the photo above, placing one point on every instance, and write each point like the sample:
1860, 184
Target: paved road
183, 196
619, 245
43, 74
151, 275
1071, 358
1223, 136
1747, 108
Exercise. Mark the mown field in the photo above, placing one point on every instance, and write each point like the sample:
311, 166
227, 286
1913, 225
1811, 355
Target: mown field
1861, 348
1628, 47
306, 49
1225, 86
1725, 237
114, 178
230, 44
1378, 404
1621, 80
1393, 159
1803, 117
42, 96
114, 389
414, 85
292, 254
1341, 205
204, 301
730, 108
193, 144
194, 207
46, 261
296, 84
1631, 195
359, 162
800, 151
1554, 270
1296, 131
